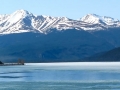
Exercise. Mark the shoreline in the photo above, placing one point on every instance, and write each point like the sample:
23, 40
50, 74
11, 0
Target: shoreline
10, 64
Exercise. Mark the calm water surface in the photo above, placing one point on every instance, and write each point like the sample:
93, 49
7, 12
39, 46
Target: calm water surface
57, 76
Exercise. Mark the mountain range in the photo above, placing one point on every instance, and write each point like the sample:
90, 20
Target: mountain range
40, 38
23, 21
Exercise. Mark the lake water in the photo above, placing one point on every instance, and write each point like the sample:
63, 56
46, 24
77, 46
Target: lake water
57, 76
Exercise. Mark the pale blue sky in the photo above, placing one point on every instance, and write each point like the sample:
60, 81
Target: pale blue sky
74, 9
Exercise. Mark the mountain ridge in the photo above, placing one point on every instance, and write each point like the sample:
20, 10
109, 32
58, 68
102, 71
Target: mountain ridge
22, 21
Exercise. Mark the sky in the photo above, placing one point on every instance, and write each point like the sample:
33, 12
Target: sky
73, 9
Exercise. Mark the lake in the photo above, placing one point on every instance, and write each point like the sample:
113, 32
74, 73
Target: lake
57, 76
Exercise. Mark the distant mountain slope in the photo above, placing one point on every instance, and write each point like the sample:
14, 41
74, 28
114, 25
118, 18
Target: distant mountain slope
70, 45
112, 55
110, 35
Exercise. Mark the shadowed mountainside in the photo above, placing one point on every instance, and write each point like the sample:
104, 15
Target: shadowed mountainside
69, 45
112, 55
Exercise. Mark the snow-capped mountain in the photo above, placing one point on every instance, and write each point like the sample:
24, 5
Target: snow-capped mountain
56, 38
23, 21
105, 21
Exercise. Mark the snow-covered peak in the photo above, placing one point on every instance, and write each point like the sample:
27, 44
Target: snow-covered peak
91, 18
18, 15
23, 12
96, 19
109, 20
